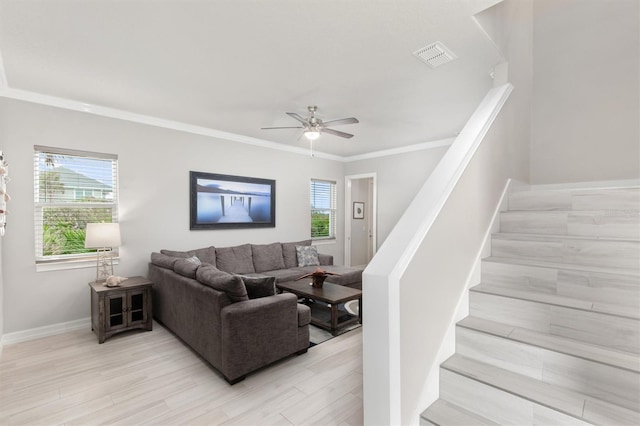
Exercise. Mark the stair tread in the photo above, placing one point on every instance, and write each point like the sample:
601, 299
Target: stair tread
444, 412
548, 237
601, 354
554, 299
555, 397
561, 265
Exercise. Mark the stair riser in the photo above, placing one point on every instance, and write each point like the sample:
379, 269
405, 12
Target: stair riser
497, 405
590, 327
597, 253
601, 381
602, 224
576, 200
596, 287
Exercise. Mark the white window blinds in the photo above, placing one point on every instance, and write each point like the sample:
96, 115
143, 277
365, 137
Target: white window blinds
323, 209
71, 188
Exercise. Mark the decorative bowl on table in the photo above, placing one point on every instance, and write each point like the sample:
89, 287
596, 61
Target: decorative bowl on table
317, 277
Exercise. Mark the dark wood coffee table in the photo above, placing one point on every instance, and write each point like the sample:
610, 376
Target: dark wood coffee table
332, 294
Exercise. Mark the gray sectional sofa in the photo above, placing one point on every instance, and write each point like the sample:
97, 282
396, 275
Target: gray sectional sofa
221, 301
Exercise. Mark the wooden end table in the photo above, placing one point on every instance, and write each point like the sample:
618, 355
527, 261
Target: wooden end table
122, 308
332, 294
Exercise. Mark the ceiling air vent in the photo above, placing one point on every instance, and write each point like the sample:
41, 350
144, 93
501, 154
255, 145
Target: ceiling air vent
435, 54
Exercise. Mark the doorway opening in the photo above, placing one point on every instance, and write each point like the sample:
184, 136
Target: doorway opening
360, 219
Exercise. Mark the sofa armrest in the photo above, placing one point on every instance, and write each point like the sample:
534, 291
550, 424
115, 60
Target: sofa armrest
258, 332
325, 259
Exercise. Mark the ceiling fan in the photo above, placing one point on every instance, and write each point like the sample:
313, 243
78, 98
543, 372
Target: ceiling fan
313, 126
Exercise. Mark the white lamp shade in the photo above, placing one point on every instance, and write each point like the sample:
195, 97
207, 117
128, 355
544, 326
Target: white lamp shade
102, 235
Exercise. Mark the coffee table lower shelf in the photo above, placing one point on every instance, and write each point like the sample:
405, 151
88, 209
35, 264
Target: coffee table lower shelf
320, 310
331, 295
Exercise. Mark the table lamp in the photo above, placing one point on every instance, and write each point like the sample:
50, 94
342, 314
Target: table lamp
103, 237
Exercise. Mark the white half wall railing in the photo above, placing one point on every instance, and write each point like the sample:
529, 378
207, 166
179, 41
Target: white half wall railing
414, 283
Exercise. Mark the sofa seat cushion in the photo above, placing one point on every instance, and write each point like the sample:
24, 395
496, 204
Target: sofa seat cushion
267, 257
235, 260
289, 254
348, 275
232, 285
304, 315
259, 286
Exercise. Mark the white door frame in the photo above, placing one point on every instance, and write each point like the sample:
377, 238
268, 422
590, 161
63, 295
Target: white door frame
347, 214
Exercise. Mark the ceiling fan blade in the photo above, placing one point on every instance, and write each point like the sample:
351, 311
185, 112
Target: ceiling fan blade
271, 128
297, 117
337, 133
350, 120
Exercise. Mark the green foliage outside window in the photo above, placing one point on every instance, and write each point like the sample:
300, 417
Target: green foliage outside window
64, 228
320, 223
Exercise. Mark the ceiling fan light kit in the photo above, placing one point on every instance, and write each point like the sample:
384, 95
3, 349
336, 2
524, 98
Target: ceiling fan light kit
313, 127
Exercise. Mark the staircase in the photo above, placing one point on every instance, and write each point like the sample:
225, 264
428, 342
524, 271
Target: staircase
553, 335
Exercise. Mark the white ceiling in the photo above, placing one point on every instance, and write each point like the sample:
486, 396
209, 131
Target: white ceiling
239, 65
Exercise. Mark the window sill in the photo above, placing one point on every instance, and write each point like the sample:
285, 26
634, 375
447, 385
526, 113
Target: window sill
69, 264
323, 242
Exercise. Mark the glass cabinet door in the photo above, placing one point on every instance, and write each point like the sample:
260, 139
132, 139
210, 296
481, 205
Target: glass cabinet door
137, 312
115, 311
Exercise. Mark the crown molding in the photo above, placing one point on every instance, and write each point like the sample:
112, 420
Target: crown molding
401, 150
72, 105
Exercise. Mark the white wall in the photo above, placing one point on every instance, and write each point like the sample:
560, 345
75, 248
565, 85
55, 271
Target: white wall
399, 177
154, 165
586, 113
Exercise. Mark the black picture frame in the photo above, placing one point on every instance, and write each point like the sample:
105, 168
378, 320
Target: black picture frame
358, 210
220, 201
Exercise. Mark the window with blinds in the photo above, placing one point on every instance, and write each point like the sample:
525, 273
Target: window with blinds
323, 209
71, 188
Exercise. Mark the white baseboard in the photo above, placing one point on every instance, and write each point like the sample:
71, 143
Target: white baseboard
47, 330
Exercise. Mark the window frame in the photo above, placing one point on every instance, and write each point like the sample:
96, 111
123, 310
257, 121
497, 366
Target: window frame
332, 210
74, 260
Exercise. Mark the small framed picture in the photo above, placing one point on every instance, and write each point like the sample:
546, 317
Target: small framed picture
358, 210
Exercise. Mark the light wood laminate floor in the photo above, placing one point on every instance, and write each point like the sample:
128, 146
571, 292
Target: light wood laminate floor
153, 378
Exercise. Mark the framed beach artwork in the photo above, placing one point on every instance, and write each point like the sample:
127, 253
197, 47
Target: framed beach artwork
225, 201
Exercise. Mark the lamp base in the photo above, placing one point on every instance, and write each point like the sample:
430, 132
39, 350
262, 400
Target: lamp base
104, 264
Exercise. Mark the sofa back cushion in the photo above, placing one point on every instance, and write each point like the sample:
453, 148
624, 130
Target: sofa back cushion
232, 285
289, 254
267, 257
163, 260
237, 260
206, 254
187, 267
175, 253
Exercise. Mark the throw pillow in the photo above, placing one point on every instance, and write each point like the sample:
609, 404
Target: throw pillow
163, 260
258, 287
187, 267
307, 256
267, 257
231, 285
235, 260
289, 253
